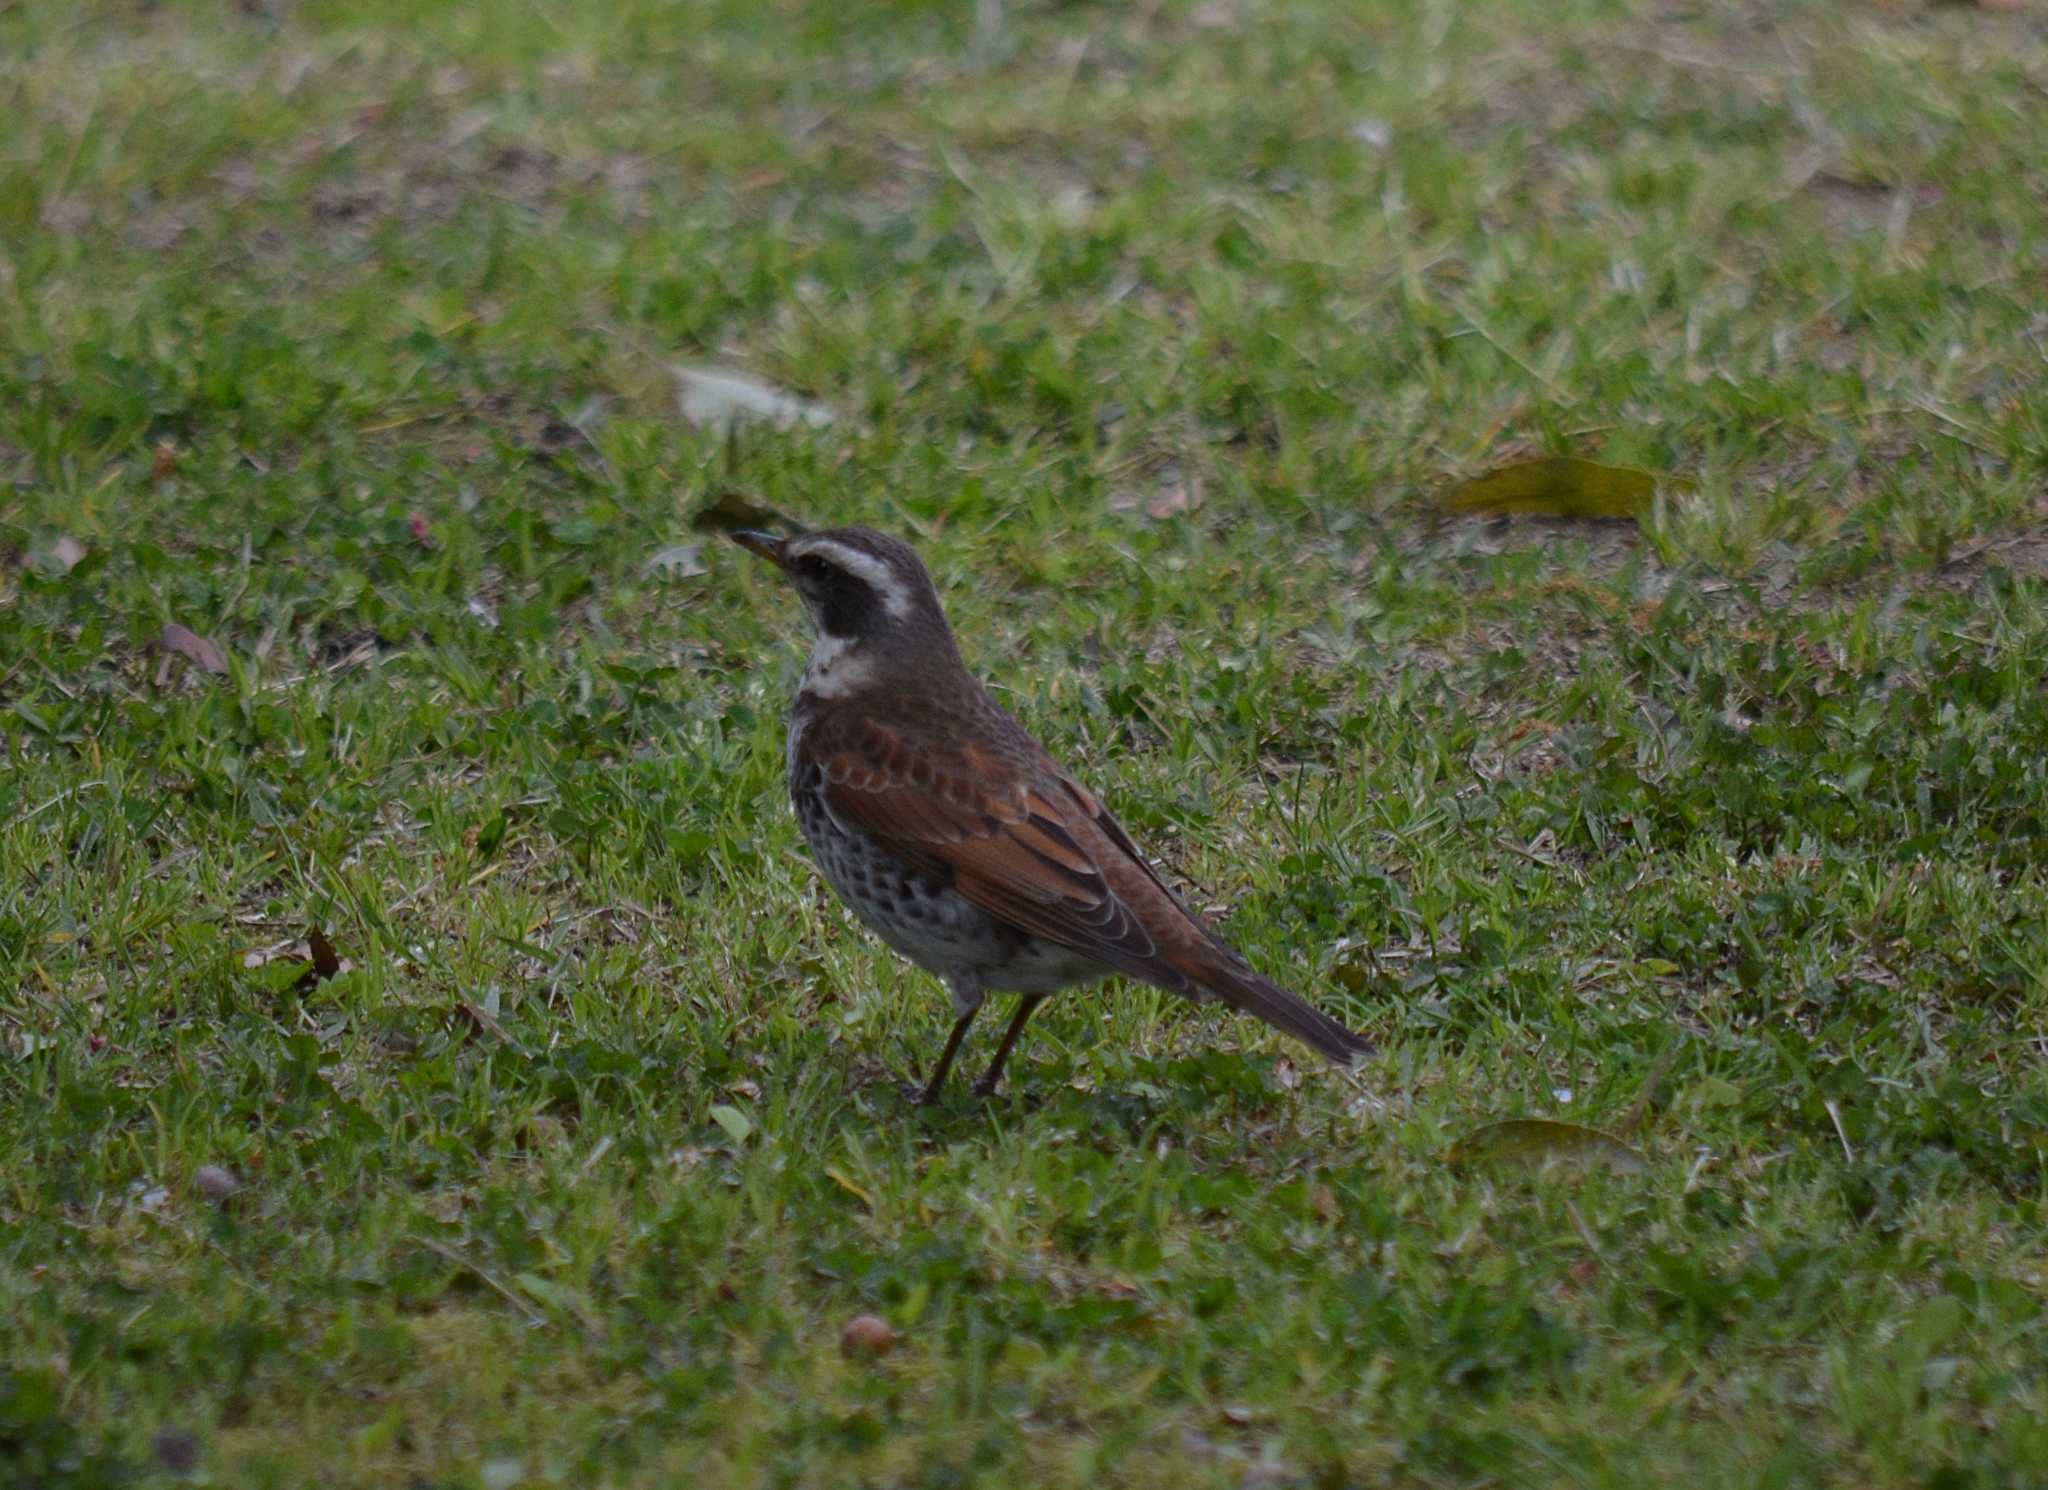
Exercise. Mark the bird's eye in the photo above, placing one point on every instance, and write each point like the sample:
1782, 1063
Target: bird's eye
810, 566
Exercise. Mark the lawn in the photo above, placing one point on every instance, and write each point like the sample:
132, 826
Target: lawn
427, 1056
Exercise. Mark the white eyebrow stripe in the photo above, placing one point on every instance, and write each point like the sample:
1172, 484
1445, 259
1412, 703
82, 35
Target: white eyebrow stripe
883, 579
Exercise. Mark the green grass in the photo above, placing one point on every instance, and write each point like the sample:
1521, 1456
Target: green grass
339, 331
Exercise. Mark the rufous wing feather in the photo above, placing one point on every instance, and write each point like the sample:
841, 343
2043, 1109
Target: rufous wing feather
1036, 850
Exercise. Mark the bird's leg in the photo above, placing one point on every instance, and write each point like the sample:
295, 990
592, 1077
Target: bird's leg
994, 1074
930, 1094
966, 991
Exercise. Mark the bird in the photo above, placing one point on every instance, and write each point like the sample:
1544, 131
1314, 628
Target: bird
953, 835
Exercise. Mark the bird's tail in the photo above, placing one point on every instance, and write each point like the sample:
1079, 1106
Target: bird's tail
1288, 1013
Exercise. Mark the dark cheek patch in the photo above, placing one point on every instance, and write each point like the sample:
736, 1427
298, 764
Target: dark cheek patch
848, 605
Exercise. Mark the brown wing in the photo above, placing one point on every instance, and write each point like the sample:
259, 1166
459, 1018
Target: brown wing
1203, 962
1032, 847
1007, 837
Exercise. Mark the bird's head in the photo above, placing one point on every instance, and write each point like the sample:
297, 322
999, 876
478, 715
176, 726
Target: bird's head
865, 590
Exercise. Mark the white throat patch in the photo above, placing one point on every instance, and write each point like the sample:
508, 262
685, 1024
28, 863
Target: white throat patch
835, 668
893, 593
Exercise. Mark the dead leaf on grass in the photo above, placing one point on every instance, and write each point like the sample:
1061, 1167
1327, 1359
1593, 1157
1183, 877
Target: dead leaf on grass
1538, 1143
313, 962
720, 398
729, 511
327, 962
200, 651
1558, 486
678, 561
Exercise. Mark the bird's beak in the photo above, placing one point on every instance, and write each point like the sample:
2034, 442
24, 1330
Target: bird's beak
765, 545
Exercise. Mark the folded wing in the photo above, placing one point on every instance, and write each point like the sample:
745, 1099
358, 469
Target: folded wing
1034, 848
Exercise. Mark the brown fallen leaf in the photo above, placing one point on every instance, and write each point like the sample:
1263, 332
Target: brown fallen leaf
1559, 486
321, 961
1538, 1143
202, 653
163, 462
729, 511
326, 961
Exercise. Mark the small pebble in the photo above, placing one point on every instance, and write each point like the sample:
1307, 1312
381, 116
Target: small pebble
866, 1336
215, 1183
